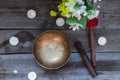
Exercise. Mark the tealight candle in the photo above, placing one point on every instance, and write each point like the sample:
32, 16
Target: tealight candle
32, 75
15, 71
13, 41
102, 41
31, 13
60, 22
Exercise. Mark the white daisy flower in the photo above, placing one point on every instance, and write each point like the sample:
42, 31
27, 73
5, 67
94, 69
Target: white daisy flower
70, 6
93, 14
71, 9
75, 26
85, 13
83, 8
77, 13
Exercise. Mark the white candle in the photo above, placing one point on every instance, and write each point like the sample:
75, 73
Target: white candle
13, 41
102, 41
31, 13
15, 71
60, 22
32, 75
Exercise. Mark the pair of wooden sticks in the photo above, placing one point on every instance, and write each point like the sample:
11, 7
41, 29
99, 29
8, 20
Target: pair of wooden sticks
84, 56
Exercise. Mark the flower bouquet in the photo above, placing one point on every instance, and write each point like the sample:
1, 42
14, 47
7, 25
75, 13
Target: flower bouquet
78, 13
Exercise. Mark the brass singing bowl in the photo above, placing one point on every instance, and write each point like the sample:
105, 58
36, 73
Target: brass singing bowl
51, 49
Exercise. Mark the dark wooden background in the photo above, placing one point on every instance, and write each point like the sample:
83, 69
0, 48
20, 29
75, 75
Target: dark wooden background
14, 22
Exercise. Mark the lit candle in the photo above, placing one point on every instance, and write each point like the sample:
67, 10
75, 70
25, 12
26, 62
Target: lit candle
31, 13
102, 41
32, 75
13, 41
15, 71
60, 22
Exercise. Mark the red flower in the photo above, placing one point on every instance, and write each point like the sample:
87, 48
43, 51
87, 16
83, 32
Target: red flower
92, 23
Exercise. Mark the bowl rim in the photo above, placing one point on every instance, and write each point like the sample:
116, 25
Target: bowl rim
45, 66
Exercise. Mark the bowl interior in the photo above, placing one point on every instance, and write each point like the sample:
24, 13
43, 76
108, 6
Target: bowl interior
51, 49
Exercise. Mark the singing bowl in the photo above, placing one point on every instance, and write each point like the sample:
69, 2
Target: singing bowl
51, 49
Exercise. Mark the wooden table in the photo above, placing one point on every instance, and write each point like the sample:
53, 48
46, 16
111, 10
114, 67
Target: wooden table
14, 22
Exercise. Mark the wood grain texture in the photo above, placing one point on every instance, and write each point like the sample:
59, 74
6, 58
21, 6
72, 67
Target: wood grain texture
74, 69
14, 13
13, 20
27, 41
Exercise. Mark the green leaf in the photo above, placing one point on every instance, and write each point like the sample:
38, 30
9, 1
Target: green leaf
71, 20
86, 3
89, 7
83, 22
77, 7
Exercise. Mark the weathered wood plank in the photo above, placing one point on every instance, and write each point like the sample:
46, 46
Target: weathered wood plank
112, 37
25, 3
108, 62
74, 69
14, 13
26, 41
27, 24
15, 22
109, 7
109, 16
